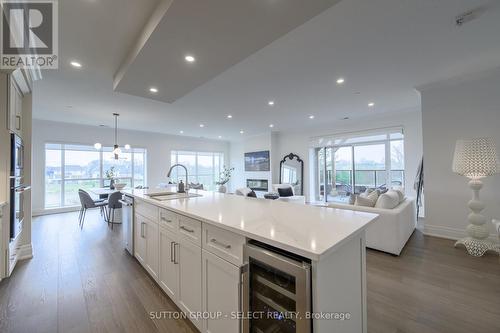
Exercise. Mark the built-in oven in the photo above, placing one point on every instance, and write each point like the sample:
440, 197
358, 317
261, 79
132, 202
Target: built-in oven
17, 187
17, 193
276, 293
17, 156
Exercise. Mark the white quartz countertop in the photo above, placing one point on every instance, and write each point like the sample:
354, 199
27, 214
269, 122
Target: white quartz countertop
309, 231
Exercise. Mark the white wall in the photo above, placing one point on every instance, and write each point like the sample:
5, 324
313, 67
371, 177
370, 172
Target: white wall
158, 148
298, 142
451, 110
237, 152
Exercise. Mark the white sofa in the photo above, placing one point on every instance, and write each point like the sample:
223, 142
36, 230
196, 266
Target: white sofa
300, 199
390, 232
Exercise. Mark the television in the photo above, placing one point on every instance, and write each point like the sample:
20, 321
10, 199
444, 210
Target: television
257, 161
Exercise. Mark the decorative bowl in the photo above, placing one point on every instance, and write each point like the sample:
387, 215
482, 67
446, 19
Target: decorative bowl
120, 186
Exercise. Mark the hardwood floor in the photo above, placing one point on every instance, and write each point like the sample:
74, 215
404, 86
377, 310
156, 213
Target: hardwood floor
83, 281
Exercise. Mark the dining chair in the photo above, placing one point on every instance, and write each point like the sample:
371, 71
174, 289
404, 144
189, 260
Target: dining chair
87, 202
113, 203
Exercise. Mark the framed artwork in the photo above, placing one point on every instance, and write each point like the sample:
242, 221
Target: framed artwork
257, 161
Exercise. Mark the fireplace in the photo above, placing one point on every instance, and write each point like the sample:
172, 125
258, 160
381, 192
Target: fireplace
258, 184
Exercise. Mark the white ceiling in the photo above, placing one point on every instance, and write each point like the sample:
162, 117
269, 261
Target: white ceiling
218, 33
383, 49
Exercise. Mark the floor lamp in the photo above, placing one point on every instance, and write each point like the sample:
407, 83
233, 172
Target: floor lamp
476, 159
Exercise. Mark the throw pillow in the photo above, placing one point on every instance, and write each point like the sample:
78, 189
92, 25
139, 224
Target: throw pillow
400, 193
366, 192
285, 191
388, 200
369, 201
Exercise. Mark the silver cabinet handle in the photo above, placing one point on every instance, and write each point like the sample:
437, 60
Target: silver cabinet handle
175, 253
18, 121
166, 220
244, 290
125, 203
172, 245
187, 229
215, 241
143, 232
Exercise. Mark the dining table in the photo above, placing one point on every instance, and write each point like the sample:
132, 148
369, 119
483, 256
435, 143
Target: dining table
102, 192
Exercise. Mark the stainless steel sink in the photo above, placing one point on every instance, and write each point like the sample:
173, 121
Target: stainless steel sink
163, 196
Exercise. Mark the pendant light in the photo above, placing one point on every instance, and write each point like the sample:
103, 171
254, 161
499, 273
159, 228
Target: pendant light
116, 148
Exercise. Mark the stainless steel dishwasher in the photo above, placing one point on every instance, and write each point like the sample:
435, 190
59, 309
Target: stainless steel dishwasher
128, 223
276, 290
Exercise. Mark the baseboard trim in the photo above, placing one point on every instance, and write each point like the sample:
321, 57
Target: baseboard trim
25, 252
55, 211
449, 233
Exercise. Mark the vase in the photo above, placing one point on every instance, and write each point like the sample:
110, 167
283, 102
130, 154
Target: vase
222, 189
112, 184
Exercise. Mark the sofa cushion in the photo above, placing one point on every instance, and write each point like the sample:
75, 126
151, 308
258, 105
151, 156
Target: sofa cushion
400, 193
367, 201
285, 191
388, 200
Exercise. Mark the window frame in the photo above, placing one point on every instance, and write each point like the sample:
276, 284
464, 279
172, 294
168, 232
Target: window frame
388, 162
196, 175
101, 179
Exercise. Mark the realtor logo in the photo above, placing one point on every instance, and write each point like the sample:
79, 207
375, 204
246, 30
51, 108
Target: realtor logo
29, 36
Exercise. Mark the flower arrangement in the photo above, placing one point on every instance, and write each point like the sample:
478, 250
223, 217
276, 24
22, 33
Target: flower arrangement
110, 173
224, 176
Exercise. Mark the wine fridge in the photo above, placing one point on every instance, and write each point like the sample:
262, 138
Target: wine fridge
276, 291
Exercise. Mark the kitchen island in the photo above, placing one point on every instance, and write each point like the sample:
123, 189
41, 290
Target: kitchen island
198, 249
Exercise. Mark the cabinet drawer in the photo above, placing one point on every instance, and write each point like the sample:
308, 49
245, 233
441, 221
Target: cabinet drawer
223, 243
147, 210
169, 220
190, 228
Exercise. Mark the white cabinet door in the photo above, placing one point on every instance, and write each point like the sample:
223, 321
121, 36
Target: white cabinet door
221, 292
152, 250
15, 107
140, 239
169, 268
189, 259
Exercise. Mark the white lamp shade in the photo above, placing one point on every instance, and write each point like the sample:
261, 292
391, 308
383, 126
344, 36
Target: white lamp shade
476, 158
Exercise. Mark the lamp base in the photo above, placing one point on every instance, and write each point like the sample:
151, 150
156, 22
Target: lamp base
478, 247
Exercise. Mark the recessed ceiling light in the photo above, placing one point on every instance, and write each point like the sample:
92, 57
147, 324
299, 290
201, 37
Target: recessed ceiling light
271, 125
371, 104
311, 117
270, 103
242, 131
340, 80
202, 125
97, 145
76, 64
127, 147
181, 131
189, 58
220, 136
153, 90
229, 116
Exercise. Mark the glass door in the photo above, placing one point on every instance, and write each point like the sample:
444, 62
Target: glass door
278, 292
369, 166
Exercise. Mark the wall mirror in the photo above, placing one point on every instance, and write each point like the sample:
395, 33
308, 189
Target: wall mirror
292, 172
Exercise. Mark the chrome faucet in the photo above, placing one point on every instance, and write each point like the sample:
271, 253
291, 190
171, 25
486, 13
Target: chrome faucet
179, 189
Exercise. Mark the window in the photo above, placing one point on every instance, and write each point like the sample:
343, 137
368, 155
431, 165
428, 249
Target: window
203, 167
351, 164
71, 167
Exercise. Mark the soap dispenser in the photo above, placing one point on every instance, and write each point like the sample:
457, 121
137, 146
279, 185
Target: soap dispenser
180, 187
